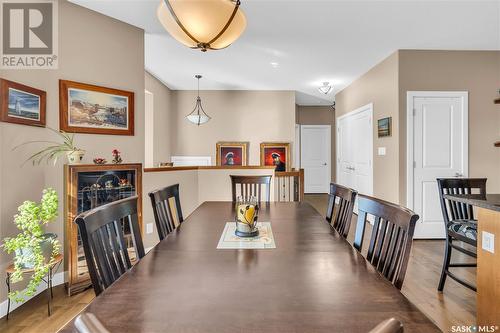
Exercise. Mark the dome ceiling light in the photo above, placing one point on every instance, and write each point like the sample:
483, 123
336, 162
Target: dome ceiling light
326, 88
203, 24
198, 116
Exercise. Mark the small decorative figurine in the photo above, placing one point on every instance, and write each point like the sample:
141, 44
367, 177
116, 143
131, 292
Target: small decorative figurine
117, 159
100, 160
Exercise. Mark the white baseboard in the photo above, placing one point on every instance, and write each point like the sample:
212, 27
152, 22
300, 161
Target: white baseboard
56, 280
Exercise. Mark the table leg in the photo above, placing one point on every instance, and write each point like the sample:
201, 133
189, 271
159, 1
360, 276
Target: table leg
7, 281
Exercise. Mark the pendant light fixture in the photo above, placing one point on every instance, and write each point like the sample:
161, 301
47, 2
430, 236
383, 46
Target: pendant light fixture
203, 24
326, 88
198, 116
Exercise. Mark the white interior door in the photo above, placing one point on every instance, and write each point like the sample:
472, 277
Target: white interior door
315, 157
355, 150
437, 148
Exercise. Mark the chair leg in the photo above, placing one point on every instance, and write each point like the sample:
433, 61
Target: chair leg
446, 264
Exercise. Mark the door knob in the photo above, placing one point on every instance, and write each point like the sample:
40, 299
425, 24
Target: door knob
325, 164
458, 174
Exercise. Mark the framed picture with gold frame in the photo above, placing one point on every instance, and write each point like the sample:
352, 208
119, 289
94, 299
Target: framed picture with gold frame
231, 153
277, 154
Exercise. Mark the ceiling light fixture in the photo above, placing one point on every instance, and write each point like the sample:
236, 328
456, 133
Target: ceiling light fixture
201, 24
326, 88
198, 116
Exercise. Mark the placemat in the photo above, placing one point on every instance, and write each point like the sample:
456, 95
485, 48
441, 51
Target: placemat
265, 240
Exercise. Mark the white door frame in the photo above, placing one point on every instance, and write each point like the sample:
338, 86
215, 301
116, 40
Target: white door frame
410, 95
329, 156
364, 108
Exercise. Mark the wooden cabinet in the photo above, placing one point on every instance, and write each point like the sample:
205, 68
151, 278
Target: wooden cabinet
87, 187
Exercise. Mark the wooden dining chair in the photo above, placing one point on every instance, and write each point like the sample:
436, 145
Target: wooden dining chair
459, 223
251, 186
391, 237
391, 325
166, 209
88, 323
104, 243
340, 206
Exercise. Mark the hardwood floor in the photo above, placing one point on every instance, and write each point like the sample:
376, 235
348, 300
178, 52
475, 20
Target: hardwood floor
32, 316
455, 306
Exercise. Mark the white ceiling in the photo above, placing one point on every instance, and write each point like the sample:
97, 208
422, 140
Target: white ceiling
312, 41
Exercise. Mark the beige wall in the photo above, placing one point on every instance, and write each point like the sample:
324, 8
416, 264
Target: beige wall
319, 115
387, 84
118, 63
253, 116
380, 87
162, 97
477, 72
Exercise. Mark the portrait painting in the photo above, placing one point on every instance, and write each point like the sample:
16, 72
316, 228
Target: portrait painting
92, 109
231, 153
275, 154
22, 104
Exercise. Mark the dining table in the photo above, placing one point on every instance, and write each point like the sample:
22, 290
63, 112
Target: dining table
312, 281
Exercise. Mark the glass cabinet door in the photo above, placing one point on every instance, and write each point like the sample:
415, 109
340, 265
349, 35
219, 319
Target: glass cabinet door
96, 189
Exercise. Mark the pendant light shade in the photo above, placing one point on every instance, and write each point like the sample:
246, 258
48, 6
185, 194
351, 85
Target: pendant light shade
198, 116
202, 24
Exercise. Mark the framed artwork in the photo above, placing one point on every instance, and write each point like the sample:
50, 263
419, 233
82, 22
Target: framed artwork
85, 108
231, 153
384, 127
20, 104
277, 154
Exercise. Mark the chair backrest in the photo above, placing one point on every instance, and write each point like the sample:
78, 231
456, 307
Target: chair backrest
88, 323
340, 206
391, 238
453, 210
104, 242
390, 325
251, 186
166, 209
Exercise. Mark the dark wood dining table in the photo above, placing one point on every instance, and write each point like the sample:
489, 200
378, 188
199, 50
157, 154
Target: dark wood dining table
313, 281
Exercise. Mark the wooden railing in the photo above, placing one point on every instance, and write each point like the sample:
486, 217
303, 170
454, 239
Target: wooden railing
289, 186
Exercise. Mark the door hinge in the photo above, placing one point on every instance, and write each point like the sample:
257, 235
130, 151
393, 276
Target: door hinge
414, 164
414, 112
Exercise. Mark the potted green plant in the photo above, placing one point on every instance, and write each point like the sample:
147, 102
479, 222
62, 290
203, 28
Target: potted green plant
56, 149
34, 249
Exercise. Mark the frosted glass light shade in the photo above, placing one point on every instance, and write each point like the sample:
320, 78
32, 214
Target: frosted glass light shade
198, 119
204, 20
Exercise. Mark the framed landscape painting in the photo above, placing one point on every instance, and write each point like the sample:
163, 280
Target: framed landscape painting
384, 127
22, 104
85, 108
231, 153
275, 154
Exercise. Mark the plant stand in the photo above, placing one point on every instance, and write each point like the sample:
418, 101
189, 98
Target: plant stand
48, 279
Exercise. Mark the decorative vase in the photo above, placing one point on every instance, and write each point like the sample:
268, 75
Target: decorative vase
246, 217
75, 156
46, 246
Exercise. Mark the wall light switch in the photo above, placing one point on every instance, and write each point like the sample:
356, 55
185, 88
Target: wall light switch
381, 151
149, 228
488, 241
